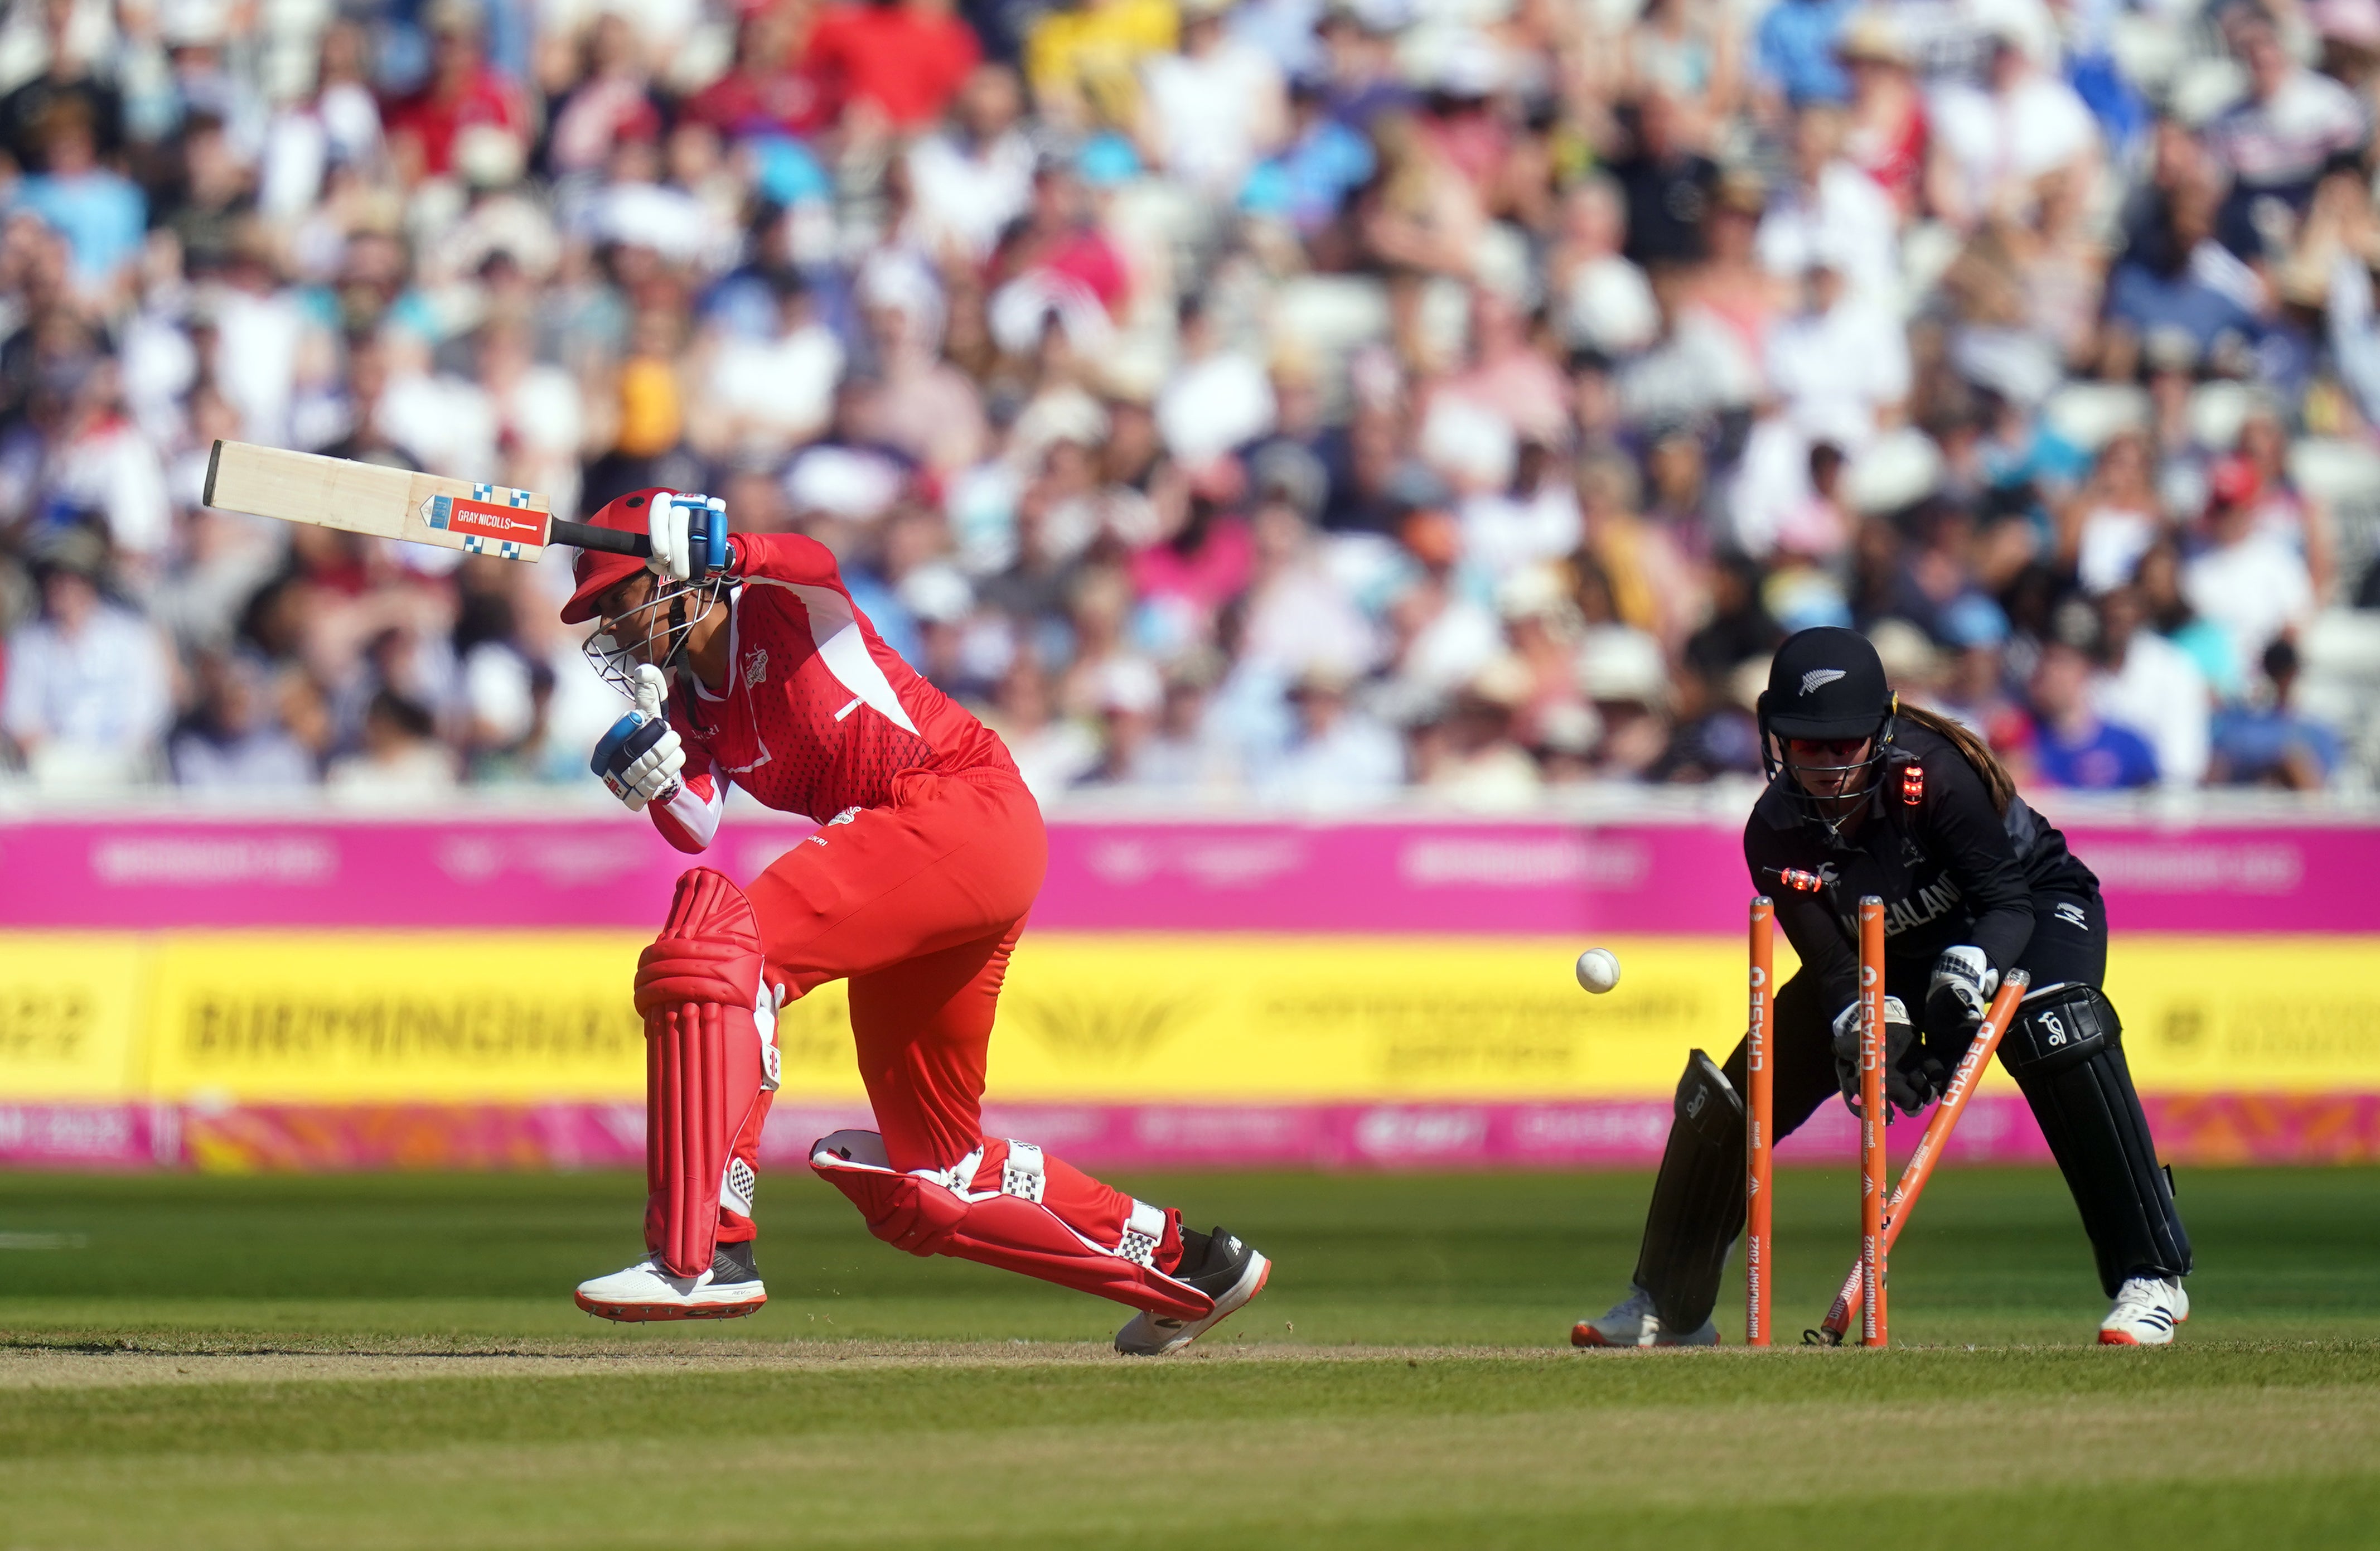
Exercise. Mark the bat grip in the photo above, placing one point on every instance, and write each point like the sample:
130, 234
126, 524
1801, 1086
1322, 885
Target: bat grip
610, 540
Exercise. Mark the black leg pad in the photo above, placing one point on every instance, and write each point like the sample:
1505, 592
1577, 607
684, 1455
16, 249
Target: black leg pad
2066, 1052
1697, 1200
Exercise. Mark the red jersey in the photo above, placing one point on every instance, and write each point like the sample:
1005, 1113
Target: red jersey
909, 60
488, 100
741, 104
819, 714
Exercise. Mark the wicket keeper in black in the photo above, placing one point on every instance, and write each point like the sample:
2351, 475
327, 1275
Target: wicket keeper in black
1868, 796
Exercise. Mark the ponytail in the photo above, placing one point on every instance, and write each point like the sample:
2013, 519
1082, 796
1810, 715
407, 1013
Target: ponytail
1978, 753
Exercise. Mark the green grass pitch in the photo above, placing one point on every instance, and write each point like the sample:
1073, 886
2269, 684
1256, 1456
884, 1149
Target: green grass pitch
393, 1360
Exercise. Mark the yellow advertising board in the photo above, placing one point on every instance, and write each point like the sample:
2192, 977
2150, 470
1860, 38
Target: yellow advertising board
1219, 1018
338, 1016
1266, 1018
2284, 1014
71, 1015
346, 1017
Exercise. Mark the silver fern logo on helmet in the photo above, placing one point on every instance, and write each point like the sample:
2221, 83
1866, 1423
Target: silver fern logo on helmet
1818, 678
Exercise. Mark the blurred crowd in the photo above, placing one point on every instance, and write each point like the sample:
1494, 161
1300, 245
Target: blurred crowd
1304, 403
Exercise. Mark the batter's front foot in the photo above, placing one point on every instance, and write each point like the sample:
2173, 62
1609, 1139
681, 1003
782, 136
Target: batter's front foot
1226, 1270
648, 1290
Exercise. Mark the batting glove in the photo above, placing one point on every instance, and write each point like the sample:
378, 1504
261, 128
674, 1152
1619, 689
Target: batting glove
639, 759
689, 536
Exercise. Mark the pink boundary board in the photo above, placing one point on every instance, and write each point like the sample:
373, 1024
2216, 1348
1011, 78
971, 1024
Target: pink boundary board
2204, 1129
1404, 876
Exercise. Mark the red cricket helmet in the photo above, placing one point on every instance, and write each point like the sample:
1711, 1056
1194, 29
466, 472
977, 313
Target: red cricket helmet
598, 573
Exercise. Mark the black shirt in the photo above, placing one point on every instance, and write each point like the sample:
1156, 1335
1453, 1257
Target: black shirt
1667, 203
1949, 869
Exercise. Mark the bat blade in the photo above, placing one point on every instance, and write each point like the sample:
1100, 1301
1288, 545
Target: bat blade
372, 499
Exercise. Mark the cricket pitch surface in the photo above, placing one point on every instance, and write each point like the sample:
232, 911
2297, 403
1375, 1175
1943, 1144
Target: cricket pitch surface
393, 1362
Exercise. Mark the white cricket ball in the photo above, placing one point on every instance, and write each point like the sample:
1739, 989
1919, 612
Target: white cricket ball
1598, 970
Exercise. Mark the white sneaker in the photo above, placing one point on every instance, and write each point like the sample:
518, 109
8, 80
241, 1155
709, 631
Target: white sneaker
1231, 1272
2147, 1309
647, 1291
1632, 1322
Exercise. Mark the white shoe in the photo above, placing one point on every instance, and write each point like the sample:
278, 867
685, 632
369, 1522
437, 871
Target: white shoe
2147, 1309
1231, 1272
1632, 1322
647, 1291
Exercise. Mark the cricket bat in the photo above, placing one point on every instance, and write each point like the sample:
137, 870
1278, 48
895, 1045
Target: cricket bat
397, 503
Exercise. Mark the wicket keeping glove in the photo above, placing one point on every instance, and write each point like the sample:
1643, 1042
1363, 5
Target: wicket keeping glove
689, 536
639, 759
1960, 994
1912, 1079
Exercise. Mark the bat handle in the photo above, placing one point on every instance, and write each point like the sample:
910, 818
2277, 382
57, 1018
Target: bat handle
611, 541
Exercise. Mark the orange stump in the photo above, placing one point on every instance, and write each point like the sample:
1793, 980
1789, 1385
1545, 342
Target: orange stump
1760, 1083
1875, 1169
1919, 1166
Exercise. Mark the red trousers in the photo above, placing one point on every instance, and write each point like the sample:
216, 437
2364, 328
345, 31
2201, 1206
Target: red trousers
919, 905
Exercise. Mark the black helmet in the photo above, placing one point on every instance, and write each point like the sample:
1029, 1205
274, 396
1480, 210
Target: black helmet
1827, 684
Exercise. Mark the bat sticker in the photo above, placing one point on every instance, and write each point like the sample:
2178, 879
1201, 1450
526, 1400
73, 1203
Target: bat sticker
506, 524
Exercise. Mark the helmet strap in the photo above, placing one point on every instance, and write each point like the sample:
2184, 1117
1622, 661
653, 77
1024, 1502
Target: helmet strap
1778, 762
677, 630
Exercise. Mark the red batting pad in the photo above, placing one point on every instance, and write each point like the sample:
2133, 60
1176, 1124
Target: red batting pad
1002, 1230
704, 1073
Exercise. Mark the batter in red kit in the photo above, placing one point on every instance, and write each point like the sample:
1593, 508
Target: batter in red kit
750, 666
